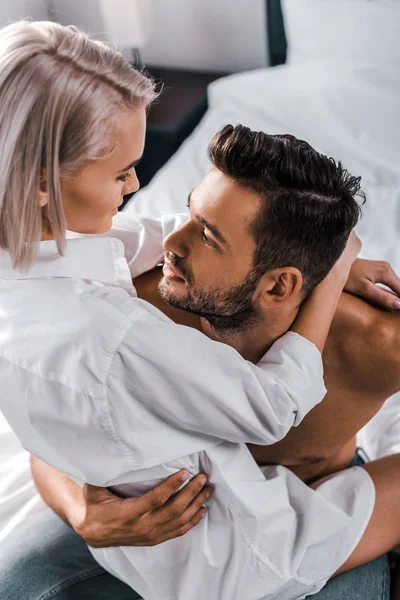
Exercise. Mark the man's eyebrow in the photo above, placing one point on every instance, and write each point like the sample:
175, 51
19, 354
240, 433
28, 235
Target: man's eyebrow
133, 164
213, 228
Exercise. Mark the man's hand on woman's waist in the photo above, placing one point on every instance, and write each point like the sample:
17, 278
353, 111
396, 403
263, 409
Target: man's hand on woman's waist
102, 519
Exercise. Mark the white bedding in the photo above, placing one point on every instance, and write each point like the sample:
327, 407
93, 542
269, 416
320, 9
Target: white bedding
347, 110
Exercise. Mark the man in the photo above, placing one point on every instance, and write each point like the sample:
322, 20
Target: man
234, 311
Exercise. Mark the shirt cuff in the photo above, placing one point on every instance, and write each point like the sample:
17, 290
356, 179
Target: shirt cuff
297, 364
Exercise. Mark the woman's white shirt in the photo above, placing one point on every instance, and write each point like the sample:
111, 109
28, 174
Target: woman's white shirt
103, 386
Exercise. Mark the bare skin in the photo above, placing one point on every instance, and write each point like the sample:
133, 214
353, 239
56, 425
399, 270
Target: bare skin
362, 369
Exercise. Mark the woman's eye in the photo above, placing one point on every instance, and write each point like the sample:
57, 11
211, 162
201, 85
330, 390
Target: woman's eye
124, 177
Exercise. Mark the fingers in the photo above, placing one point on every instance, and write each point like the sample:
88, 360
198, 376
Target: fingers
163, 513
163, 492
180, 509
178, 515
166, 534
389, 278
382, 298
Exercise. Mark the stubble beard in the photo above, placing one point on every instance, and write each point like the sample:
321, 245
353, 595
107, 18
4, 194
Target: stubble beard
229, 311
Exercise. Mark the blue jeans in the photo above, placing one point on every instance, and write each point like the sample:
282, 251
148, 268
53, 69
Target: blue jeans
44, 559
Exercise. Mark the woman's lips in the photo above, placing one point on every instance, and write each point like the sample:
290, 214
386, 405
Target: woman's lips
171, 273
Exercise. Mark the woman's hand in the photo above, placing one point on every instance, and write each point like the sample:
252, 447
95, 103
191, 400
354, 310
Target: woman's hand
316, 312
364, 276
160, 515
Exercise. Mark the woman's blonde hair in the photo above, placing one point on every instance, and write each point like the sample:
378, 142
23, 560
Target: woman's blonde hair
61, 94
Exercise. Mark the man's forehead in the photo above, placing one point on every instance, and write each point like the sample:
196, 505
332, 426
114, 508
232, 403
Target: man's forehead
226, 210
221, 193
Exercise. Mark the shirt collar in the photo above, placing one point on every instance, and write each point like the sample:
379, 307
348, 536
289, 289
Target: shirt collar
86, 257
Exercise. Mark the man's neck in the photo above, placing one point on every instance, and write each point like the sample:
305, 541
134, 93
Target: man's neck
254, 343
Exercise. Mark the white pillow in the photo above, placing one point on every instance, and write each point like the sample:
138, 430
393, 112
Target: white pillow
366, 30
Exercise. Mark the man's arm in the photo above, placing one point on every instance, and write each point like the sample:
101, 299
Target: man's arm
103, 519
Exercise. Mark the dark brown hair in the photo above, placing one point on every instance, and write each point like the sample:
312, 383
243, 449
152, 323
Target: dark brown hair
309, 206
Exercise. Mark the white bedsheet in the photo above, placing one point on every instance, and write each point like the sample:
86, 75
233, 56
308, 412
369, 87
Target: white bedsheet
349, 111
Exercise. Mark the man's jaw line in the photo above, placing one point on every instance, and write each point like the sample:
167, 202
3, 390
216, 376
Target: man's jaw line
251, 342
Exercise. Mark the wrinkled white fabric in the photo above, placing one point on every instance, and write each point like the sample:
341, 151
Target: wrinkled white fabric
348, 110
106, 388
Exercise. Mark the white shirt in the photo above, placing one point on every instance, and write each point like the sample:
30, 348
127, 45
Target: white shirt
103, 386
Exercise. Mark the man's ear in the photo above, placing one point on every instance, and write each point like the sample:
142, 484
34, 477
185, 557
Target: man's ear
278, 286
43, 195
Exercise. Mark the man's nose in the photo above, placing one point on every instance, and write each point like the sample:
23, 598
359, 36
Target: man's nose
176, 243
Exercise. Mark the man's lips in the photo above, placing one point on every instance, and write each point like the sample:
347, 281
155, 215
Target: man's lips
171, 272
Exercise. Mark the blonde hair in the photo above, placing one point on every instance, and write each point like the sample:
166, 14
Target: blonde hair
60, 96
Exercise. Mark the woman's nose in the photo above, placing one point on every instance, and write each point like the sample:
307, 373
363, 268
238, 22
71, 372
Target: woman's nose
132, 185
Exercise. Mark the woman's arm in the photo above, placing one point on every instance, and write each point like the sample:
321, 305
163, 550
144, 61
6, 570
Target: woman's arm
103, 519
317, 312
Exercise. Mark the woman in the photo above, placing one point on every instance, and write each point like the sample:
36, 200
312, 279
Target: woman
76, 344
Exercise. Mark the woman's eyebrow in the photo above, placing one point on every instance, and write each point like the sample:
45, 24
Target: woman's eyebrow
131, 165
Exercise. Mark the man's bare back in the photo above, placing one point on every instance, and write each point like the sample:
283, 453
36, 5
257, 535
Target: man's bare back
362, 369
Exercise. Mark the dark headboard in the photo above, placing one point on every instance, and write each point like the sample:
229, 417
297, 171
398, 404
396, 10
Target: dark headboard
276, 33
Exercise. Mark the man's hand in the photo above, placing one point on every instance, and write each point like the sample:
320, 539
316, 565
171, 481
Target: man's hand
103, 519
365, 274
161, 514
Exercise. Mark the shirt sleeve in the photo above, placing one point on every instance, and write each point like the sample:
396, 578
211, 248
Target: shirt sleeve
143, 238
381, 435
192, 383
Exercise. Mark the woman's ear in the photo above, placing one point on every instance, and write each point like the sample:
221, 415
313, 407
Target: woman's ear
280, 285
43, 195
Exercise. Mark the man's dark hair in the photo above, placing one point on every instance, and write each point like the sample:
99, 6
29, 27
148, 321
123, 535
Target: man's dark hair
309, 200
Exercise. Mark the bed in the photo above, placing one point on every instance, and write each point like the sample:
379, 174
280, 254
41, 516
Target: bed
346, 106
347, 109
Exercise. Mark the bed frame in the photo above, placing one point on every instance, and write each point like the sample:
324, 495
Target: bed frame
276, 33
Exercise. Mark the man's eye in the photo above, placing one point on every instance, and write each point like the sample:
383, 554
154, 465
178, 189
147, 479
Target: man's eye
207, 240
125, 176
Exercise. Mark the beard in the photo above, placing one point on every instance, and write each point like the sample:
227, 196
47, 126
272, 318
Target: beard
228, 310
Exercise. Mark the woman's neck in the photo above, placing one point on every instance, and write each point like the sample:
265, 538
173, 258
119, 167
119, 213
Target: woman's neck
46, 235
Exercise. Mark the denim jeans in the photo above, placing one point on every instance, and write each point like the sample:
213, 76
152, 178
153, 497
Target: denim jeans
44, 559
